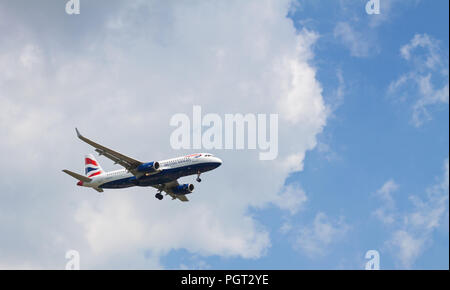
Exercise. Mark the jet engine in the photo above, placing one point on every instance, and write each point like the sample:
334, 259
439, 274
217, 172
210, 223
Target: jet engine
183, 189
149, 167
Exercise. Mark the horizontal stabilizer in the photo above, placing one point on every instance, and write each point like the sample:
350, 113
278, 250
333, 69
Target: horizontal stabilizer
77, 176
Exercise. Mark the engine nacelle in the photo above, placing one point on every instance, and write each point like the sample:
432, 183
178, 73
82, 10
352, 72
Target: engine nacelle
149, 167
183, 189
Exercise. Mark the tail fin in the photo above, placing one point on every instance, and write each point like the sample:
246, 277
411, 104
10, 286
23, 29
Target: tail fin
91, 166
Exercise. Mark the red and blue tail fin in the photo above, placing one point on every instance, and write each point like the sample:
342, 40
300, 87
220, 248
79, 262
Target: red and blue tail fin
91, 166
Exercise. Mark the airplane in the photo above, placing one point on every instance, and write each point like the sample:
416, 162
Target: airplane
161, 175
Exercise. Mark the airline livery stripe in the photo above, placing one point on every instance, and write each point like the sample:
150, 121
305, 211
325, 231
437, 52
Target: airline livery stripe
90, 161
89, 169
94, 174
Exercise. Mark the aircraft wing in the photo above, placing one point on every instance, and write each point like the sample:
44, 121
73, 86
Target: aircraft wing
167, 188
129, 163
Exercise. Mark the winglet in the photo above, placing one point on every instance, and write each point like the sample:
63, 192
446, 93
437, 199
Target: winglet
78, 133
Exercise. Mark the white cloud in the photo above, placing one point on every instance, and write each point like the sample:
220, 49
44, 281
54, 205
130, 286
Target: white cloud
120, 223
286, 227
427, 81
429, 96
414, 229
120, 84
386, 213
407, 247
292, 198
196, 264
30, 56
424, 41
430, 210
358, 31
294, 103
385, 192
357, 42
339, 92
315, 239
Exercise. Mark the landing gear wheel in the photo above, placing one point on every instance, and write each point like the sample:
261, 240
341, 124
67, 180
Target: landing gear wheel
198, 177
159, 196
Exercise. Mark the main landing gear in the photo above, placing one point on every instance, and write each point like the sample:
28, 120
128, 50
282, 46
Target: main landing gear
198, 177
158, 195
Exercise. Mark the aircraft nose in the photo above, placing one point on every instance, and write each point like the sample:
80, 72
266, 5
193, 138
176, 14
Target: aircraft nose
219, 161
80, 183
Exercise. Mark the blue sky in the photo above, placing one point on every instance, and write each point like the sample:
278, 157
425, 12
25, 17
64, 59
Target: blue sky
363, 132
370, 140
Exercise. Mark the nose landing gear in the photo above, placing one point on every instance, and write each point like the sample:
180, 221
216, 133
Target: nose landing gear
198, 177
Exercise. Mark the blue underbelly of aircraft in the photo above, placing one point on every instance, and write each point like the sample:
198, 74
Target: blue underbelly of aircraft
167, 175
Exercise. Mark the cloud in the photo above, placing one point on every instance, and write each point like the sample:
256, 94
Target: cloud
206, 234
385, 192
294, 104
431, 59
427, 81
195, 264
386, 213
286, 227
413, 230
292, 198
358, 44
315, 239
430, 210
337, 97
429, 96
407, 247
358, 31
119, 75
